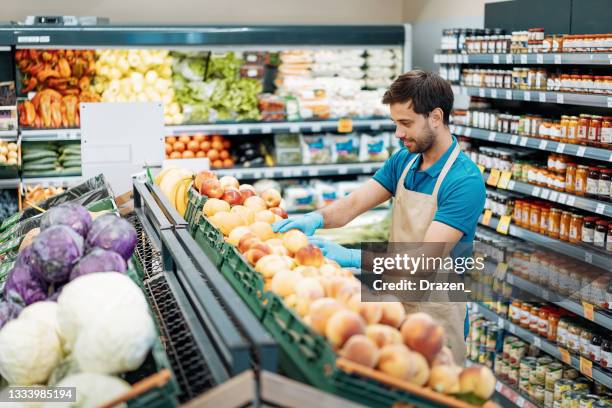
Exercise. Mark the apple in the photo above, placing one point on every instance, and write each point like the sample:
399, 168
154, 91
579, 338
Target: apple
214, 205
201, 176
255, 203
211, 188
265, 216
279, 211
232, 196
247, 187
247, 193
271, 197
246, 241
256, 252
237, 233
263, 230
226, 221
229, 182
246, 213
294, 239
309, 255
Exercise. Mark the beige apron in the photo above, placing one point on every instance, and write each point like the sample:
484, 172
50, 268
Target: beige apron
412, 215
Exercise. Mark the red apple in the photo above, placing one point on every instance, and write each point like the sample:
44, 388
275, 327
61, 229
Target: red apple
247, 240
229, 181
279, 211
246, 193
309, 255
232, 196
272, 197
247, 187
257, 251
211, 188
203, 175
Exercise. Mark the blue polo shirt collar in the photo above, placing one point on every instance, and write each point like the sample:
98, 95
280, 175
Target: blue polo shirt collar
434, 170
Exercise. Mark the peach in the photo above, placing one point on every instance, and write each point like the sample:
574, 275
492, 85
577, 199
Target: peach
229, 182
226, 221
395, 360
279, 250
347, 290
309, 288
215, 205
255, 203
291, 301
266, 216
256, 252
309, 255
420, 367
329, 270
321, 310
284, 281
269, 265
444, 379
342, 325
370, 311
211, 188
263, 230
279, 211
247, 215
444, 357
201, 176
477, 379
289, 261
237, 233
274, 242
232, 196
294, 240
383, 335
421, 333
247, 186
272, 197
308, 271
393, 314
361, 350
333, 285
247, 241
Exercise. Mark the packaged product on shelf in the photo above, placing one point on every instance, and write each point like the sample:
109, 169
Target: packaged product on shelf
300, 198
326, 193
287, 149
249, 154
34, 194
345, 148
317, 149
374, 148
271, 107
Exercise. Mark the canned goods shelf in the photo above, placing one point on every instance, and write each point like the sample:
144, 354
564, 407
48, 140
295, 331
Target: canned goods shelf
569, 58
598, 374
254, 173
582, 252
533, 143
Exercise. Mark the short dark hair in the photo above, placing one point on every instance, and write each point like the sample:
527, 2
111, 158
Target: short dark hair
425, 90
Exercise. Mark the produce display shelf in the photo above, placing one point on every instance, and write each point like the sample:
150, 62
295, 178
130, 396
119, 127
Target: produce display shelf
533, 143
582, 252
8, 135
601, 318
514, 397
599, 375
595, 206
316, 170
598, 101
55, 181
43, 135
568, 58
5, 48
9, 183
280, 127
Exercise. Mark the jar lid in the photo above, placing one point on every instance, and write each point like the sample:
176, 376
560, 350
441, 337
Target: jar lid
577, 216
583, 167
590, 219
602, 222
594, 169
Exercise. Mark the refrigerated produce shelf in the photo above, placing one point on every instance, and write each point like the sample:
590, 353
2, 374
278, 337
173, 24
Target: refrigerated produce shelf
595, 206
599, 374
582, 252
533, 143
8, 135
304, 170
568, 58
55, 181
9, 183
599, 101
43, 135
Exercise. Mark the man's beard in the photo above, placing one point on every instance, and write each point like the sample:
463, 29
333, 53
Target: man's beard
425, 142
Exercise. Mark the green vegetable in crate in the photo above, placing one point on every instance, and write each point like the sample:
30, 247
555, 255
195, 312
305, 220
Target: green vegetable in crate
93, 390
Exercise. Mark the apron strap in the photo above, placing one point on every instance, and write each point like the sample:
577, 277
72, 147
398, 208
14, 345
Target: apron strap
449, 162
400, 183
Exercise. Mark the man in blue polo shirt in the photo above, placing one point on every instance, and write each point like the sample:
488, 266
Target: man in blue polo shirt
438, 191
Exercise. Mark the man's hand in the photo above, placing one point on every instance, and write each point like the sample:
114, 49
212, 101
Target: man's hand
308, 224
347, 258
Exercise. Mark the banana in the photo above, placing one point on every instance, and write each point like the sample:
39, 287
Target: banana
160, 176
182, 195
170, 181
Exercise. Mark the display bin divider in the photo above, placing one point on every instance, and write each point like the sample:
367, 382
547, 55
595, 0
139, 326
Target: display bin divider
172, 215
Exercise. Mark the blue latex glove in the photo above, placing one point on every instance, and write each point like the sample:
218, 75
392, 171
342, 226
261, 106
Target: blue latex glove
308, 223
347, 258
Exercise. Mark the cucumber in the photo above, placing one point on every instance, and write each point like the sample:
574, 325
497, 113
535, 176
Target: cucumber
39, 167
71, 163
44, 160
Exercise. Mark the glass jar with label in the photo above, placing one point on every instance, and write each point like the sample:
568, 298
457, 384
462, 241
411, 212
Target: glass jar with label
601, 230
592, 185
534, 217
562, 332
582, 173
570, 177
588, 229
525, 215
554, 223
542, 325
606, 132
534, 319
595, 347
564, 226
573, 337
544, 216
583, 129
585, 342
595, 130
609, 249
605, 181
553, 323
605, 360
525, 315
575, 231
572, 129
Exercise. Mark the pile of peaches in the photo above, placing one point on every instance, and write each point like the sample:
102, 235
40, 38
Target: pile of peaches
327, 297
215, 148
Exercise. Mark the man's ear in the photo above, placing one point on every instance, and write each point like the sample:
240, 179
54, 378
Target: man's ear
436, 118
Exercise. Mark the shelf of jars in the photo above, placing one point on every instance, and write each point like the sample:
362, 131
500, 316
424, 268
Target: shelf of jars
526, 59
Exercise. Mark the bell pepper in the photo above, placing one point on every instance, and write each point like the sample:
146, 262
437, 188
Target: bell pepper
30, 112
77, 122
29, 85
69, 53
24, 64
71, 103
47, 73
63, 68
44, 109
64, 118
88, 55
56, 113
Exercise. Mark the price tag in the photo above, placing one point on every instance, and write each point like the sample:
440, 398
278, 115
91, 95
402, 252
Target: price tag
266, 129
508, 94
493, 93
468, 132
600, 208
588, 257
492, 136
482, 168
296, 173
557, 59
494, 177
543, 144
496, 59
571, 200
527, 95
486, 218
536, 191
345, 125
560, 147
559, 98
520, 402
581, 151
313, 172
542, 96
504, 179
504, 224
256, 175
545, 194
508, 58
315, 128
554, 195
246, 130
513, 140
481, 92
294, 129
562, 198
586, 367
524, 141
342, 170
510, 279
565, 355
511, 185
539, 58
367, 169
523, 58
475, 307
588, 311
537, 342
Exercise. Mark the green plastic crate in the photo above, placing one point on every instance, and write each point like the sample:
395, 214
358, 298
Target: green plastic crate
210, 239
195, 202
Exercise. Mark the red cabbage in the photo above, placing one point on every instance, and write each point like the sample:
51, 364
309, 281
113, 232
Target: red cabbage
113, 233
72, 215
9, 311
98, 260
55, 251
25, 287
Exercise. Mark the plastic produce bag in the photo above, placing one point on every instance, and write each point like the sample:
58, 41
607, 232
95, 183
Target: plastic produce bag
345, 148
300, 198
316, 149
374, 148
326, 193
